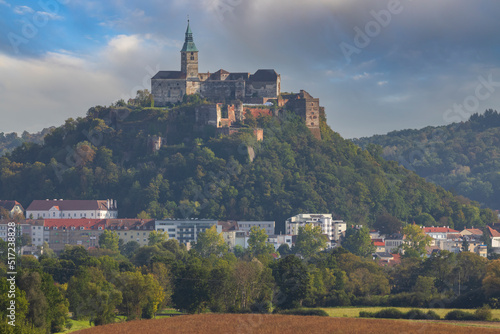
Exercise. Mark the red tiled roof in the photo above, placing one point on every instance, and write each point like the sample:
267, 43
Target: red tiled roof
44, 205
439, 230
87, 224
379, 243
493, 233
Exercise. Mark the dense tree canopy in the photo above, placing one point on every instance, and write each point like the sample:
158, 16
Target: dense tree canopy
198, 175
462, 157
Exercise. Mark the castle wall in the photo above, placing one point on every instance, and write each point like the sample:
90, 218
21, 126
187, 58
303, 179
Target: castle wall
208, 114
262, 88
167, 91
217, 90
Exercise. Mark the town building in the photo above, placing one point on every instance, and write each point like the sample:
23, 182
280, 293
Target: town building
268, 226
393, 242
233, 235
280, 239
333, 229
137, 230
186, 231
76, 231
14, 208
72, 209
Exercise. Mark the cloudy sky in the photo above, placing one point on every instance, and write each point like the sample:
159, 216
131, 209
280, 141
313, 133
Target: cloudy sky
376, 66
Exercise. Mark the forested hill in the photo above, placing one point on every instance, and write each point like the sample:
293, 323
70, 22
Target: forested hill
461, 157
198, 175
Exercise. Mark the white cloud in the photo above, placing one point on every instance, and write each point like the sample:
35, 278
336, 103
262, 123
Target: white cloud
364, 75
44, 92
50, 16
21, 10
2, 2
382, 83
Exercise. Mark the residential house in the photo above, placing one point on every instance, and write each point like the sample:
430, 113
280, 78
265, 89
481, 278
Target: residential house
495, 239
472, 232
233, 235
72, 209
379, 245
14, 208
393, 242
280, 239
439, 233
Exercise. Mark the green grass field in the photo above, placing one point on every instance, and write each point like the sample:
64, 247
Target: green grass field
353, 312
77, 325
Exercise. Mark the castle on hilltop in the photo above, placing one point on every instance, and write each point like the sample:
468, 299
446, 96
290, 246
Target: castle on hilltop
240, 90
171, 86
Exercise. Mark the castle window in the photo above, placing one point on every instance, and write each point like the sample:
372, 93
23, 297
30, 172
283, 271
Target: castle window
312, 123
192, 57
192, 53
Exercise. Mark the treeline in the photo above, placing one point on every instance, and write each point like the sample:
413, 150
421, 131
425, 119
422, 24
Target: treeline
132, 282
199, 175
461, 157
10, 141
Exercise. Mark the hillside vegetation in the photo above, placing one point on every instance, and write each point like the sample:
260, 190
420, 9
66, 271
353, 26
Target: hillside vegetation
10, 141
461, 157
196, 174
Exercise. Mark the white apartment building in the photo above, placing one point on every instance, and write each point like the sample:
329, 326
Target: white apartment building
334, 229
72, 209
185, 230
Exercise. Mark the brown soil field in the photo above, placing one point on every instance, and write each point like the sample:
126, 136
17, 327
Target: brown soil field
263, 324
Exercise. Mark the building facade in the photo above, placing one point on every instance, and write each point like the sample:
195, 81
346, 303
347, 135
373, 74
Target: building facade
72, 209
186, 231
333, 229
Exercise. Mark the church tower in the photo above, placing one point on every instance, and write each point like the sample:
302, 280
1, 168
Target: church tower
189, 56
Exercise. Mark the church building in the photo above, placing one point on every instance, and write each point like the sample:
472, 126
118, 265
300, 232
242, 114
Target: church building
171, 86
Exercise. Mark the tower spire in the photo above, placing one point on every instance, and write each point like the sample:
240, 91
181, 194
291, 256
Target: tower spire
189, 45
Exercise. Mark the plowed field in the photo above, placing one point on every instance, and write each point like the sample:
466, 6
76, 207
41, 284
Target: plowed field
286, 324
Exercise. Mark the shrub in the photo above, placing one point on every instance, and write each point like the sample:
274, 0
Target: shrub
483, 314
431, 315
389, 313
303, 311
459, 315
415, 314
366, 314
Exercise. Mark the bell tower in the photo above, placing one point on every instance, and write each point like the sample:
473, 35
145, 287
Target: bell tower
189, 56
